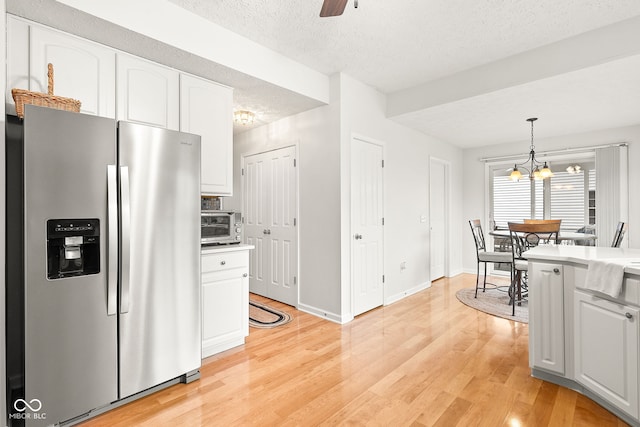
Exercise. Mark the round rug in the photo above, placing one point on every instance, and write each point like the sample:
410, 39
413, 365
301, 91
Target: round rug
494, 302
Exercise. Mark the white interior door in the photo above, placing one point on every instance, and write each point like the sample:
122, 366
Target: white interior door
367, 216
255, 197
282, 227
438, 217
270, 190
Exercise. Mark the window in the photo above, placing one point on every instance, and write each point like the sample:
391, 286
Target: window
568, 195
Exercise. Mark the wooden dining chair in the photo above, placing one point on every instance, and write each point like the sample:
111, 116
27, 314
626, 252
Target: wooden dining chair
542, 221
621, 228
484, 256
523, 238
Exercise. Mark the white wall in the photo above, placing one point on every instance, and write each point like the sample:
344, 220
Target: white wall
474, 177
406, 191
315, 133
323, 137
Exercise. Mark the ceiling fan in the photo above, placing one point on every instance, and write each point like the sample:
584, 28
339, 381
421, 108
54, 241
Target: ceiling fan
334, 7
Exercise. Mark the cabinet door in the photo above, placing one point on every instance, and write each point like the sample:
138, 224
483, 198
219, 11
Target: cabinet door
17, 59
225, 301
147, 93
206, 109
606, 350
546, 317
82, 70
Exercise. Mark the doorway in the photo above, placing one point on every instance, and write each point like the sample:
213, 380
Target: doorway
438, 217
269, 205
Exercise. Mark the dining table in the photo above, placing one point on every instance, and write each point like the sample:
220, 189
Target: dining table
566, 237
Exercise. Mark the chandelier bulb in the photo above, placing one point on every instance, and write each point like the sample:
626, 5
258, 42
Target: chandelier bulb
515, 174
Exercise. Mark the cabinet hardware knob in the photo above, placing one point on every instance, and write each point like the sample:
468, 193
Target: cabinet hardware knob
628, 316
556, 270
244, 275
223, 262
358, 236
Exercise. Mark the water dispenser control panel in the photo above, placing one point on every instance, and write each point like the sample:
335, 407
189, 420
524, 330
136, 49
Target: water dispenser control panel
73, 247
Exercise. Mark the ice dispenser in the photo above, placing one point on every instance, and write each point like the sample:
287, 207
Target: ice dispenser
73, 247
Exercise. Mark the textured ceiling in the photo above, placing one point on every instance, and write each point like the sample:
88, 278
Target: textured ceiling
600, 97
393, 45
396, 45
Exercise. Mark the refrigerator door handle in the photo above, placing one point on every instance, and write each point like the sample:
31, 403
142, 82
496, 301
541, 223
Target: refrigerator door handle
126, 241
112, 244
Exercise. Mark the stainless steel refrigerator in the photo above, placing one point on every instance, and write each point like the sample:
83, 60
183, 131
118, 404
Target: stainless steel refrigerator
103, 263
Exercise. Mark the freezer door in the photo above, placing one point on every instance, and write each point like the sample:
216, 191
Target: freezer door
70, 340
160, 288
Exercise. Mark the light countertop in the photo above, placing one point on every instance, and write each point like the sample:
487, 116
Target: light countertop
583, 254
225, 248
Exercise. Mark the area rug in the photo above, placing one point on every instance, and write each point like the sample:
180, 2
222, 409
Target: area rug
263, 316
494, 302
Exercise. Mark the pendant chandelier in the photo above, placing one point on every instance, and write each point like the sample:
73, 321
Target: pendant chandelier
536, 170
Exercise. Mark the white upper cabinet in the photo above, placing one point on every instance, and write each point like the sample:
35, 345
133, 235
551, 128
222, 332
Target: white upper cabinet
82, 70
147, 92
206, 109
17, 59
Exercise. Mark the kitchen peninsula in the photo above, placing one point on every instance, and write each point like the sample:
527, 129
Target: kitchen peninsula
581, 338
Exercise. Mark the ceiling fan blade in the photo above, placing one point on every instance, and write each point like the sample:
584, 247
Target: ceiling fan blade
332, 8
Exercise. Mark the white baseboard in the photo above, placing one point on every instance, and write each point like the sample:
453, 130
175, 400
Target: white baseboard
210, 350
333, 317
459, 271
397, 297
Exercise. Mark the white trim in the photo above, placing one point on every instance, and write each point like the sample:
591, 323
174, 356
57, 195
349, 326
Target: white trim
402, 295
333, 317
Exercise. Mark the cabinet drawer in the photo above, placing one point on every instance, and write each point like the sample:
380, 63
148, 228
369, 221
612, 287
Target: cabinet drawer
224, 261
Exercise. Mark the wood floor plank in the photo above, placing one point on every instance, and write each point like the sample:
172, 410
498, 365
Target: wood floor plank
427, 360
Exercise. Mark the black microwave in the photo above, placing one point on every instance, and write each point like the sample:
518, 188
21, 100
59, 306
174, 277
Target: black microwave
220, 227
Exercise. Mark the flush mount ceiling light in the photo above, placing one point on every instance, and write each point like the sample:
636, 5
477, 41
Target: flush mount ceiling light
244, 117
537, 170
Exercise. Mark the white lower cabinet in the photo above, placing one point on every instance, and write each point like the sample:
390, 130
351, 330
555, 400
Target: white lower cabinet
546, 323
225, 300
606, 350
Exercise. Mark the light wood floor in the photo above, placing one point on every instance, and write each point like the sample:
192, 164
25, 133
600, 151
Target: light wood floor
427, 360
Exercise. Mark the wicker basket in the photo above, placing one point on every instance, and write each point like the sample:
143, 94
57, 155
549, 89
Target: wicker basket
22, 97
